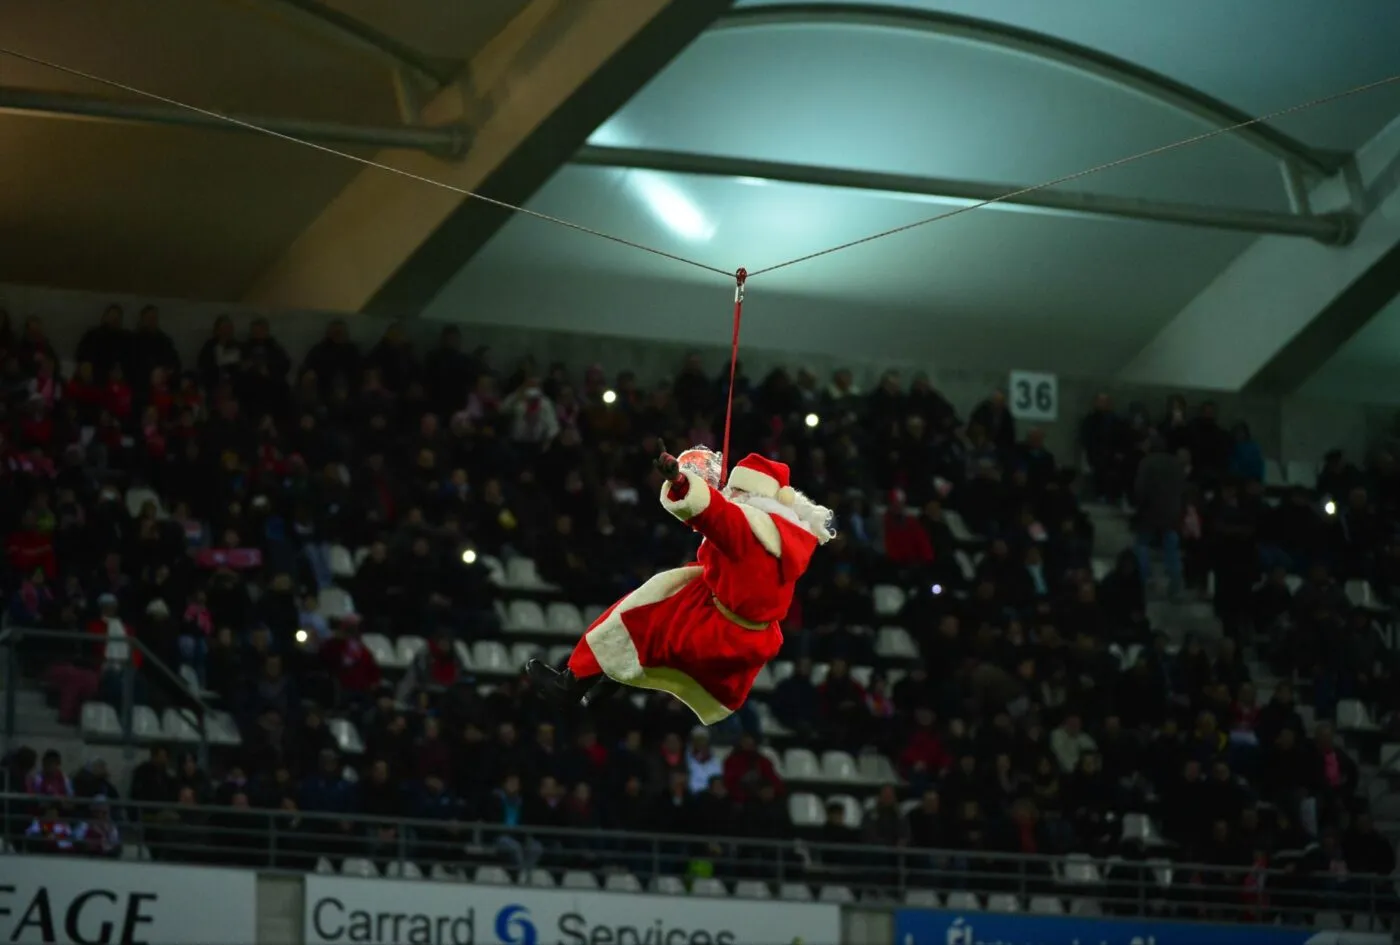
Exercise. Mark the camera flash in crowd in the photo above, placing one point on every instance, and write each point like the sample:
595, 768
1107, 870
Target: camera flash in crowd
301, 636
469, 556
609, 397
1330, 507
813, 419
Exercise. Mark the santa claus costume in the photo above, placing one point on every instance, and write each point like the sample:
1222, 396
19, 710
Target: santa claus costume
702, 632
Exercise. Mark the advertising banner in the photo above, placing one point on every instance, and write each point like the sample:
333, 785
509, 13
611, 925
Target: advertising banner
101, 902
934, 927
342, 910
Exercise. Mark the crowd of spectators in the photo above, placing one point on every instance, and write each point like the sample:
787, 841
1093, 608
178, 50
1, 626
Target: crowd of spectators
1044, 704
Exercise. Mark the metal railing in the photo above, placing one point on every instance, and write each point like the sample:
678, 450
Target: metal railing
288, 839
12, 638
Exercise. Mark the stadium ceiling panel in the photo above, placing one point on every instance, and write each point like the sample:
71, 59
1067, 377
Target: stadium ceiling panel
789, 127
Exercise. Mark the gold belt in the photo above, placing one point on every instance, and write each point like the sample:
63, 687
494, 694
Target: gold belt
734, 618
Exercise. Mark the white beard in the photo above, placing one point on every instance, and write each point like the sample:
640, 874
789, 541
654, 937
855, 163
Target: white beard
804, 513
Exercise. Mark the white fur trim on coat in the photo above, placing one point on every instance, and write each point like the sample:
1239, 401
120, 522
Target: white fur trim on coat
617, 655
693, 503
761, 524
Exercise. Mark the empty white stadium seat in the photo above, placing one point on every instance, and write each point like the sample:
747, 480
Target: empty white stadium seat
591, 612
965, 565
138, 496
772, 755
333, 603
346, 736
768, 723
382, 649
521, 653
491, 876
752, 889
819, 671
1003, 902
958, 527
342, 563
447, 874
806, 810
495, 570
524, 616
579, 879
563, 619
540, 879
894, 643
135, 853
403, 869
1390, 757
179, 725
350, 774
1079, 870
781, 670
922, 899
99, 722
838, 766
1047, 905
622, 882
1273, 474
837, 895
1139, 828
795, 892
464, 654
876, 768
559, 655
1162, 871
889, 600
799, 764
359, 866
408, 647
145, 724
1085, 907
222, 729
521, 574
323, 866
709, 888
854, 813
1353, 717
1359, 594
190, 678
488, 656
863, 675
962, 901
1100, 568
668, 886
763, 682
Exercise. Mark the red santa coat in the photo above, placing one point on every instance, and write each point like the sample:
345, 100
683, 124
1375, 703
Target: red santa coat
703, 632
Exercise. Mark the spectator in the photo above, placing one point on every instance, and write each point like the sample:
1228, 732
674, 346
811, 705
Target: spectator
1070, 742
1158, 491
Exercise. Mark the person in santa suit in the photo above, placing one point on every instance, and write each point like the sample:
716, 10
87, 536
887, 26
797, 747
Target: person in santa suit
703, 632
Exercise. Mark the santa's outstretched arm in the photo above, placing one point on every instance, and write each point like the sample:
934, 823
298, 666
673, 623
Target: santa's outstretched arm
702, 507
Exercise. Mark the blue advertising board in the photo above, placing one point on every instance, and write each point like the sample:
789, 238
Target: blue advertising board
935, 927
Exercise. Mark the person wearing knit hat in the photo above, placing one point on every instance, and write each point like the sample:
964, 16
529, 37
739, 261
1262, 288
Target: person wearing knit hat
703, 632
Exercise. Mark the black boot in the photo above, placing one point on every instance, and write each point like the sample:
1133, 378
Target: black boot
562, 687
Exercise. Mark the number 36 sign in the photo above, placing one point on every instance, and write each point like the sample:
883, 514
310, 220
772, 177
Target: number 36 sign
1034, 396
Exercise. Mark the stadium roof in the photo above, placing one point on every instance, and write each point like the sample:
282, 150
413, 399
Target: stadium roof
748, 134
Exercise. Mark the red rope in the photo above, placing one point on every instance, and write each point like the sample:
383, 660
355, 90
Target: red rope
740, 277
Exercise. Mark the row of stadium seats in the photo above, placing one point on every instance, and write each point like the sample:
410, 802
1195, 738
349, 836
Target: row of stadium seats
99, 723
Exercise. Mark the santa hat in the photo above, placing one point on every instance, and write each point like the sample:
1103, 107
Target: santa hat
761, 476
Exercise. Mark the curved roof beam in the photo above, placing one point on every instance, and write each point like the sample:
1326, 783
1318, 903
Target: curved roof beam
351, 31
1083, 59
